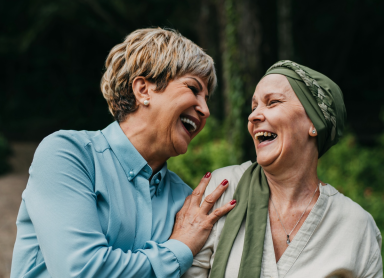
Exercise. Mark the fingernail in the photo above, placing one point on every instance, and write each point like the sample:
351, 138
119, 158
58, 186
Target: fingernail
224, 182
207, 175
233, 202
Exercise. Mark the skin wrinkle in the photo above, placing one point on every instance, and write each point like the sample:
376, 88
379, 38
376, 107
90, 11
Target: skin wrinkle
290, 161
156, 130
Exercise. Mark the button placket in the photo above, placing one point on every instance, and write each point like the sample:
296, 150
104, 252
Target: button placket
144, 204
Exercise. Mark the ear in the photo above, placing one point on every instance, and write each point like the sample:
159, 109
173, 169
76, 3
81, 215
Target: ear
140, 88
312, 131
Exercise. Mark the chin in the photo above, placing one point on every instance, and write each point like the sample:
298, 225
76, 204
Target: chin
265, 160
180, 148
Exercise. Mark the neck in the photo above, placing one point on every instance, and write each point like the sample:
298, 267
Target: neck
294, 185
140, 134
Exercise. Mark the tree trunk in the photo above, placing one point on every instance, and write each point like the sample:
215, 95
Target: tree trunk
250, 40
207, 28
240, 41
284, 29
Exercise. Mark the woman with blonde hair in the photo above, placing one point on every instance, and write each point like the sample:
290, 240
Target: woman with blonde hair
287, 223
103, 203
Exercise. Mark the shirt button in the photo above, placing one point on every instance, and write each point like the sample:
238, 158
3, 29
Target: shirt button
131, 174
157, 181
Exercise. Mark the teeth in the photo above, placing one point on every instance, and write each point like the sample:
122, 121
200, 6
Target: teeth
188, 121
262, 133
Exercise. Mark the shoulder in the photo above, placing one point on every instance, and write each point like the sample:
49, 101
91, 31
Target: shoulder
352, 216
63, 161
66, 137
178, 184
82, 140
348, 209
231, 173
354, 227
64, 148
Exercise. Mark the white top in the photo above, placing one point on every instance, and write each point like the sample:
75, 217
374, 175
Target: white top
337, 233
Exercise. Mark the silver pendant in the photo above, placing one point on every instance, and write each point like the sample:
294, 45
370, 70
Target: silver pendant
288, 241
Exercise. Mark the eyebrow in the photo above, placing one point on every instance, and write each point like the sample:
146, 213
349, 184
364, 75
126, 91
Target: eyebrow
268, 94
274, 93
201, 87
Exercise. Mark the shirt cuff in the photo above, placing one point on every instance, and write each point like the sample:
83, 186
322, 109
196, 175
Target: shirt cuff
182, 253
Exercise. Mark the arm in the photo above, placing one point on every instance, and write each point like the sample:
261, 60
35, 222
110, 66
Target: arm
201, 265
375, 265
61, 203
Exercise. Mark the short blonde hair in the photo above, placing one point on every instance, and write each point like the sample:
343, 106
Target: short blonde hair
158, 55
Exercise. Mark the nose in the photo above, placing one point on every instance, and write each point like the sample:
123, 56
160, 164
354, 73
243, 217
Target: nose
202, 109
256, 116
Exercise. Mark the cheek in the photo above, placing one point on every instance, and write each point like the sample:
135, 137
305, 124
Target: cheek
202, 125
250, 128
296, 126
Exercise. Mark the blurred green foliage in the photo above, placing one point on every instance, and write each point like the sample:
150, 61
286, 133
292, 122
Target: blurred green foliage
208, 151
5, 151
355, 170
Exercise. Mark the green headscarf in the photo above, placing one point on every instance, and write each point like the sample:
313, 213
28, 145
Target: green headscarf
321, 98
323, 101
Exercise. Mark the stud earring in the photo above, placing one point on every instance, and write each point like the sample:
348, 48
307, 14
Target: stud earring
314, 131
146, 102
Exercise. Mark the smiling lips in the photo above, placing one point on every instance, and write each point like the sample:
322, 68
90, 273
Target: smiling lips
265, 136
190, 123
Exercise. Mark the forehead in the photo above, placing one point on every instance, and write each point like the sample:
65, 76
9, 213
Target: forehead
273, 83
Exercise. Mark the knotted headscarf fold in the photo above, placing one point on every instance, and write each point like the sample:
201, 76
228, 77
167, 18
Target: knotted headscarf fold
323, 101
321, 98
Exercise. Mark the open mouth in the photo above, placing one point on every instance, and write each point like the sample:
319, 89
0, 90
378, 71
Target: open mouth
263, 136
189, 125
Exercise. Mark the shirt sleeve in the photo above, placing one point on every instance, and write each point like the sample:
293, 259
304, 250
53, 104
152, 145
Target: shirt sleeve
62, 204
375, 266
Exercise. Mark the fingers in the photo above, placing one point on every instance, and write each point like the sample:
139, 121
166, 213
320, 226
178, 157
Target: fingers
211, 199
220, 212
186, 205
197, 194
181, 214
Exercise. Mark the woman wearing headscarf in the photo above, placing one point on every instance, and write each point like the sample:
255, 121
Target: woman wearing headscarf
288, 223
103, 203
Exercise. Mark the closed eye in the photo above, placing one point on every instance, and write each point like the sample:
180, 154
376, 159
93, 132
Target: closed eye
273, 102
193, 89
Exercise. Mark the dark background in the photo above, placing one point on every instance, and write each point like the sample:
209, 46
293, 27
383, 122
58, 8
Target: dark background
52, 57
53, 53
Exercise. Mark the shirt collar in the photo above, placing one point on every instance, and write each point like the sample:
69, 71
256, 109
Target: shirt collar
129, 158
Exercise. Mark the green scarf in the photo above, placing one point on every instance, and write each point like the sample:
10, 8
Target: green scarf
252, 203
323, 101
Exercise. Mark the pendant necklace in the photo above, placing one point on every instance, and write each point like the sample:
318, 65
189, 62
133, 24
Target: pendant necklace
288, 240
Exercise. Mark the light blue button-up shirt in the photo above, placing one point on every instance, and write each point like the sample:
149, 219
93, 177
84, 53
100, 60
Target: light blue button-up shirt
89, 210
